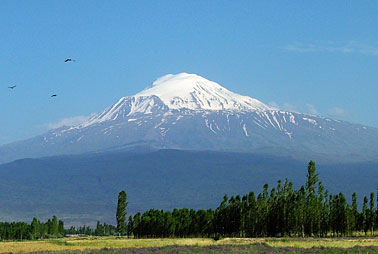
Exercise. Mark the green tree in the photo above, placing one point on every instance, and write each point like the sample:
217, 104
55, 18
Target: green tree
354, 214
35, 228
121, 213
342, 208
99, 231
55, 226
324, 222
311, 206
376, 212
250, 220
300, 211
221, 216
130, 226
61, 227
365, 215
49, 227
372, 213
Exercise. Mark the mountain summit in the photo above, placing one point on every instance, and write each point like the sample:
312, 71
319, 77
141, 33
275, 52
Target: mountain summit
181, 91
190, 91
187, 111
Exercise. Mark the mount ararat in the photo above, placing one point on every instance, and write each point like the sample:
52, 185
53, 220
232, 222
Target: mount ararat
187, 111
183, 142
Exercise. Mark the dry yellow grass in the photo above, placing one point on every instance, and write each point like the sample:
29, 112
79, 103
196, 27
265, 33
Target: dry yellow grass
306, 242
96, 243
115, 242
327, 242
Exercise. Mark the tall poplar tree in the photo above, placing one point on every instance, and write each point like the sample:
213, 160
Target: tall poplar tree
121, 213
310, 211
365, 215
376, 212
35, 228
61, 227
355, 214
130, 226
55, 226
372, 213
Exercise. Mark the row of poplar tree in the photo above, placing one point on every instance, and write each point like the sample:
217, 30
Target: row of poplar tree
52, 228
280, 211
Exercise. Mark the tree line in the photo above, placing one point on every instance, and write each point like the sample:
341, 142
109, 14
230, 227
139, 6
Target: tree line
100, 230
106, 229
280, 211
52, 228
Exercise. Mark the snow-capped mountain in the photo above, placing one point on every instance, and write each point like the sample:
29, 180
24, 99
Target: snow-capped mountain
186, 111
180, 92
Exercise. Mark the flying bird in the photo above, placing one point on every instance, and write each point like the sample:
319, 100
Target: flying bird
69, 60
11, 87
54, 95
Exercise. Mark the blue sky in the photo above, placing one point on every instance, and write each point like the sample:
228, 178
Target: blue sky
317, 57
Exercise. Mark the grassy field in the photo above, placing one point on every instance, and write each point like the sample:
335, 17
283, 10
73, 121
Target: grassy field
194, 245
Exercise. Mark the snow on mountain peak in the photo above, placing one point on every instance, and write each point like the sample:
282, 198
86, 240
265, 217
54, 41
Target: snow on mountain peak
194, 92
178, 91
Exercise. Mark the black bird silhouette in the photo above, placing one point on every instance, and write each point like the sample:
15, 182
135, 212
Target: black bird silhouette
54, 95
69, 60
11, 87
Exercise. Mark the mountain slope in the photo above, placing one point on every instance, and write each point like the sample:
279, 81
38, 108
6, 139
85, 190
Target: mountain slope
82, 189
186, 111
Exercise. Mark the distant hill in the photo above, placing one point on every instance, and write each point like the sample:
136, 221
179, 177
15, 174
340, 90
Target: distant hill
81, 189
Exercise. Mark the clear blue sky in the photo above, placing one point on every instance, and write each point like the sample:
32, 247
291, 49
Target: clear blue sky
309, 56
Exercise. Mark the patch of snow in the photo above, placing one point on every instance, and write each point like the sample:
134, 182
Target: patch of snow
209, 126
267, 116
245, 130
216, 125
228, 121
275, 119
259, 124
289, 134
312, 121
163, 131
292, 119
